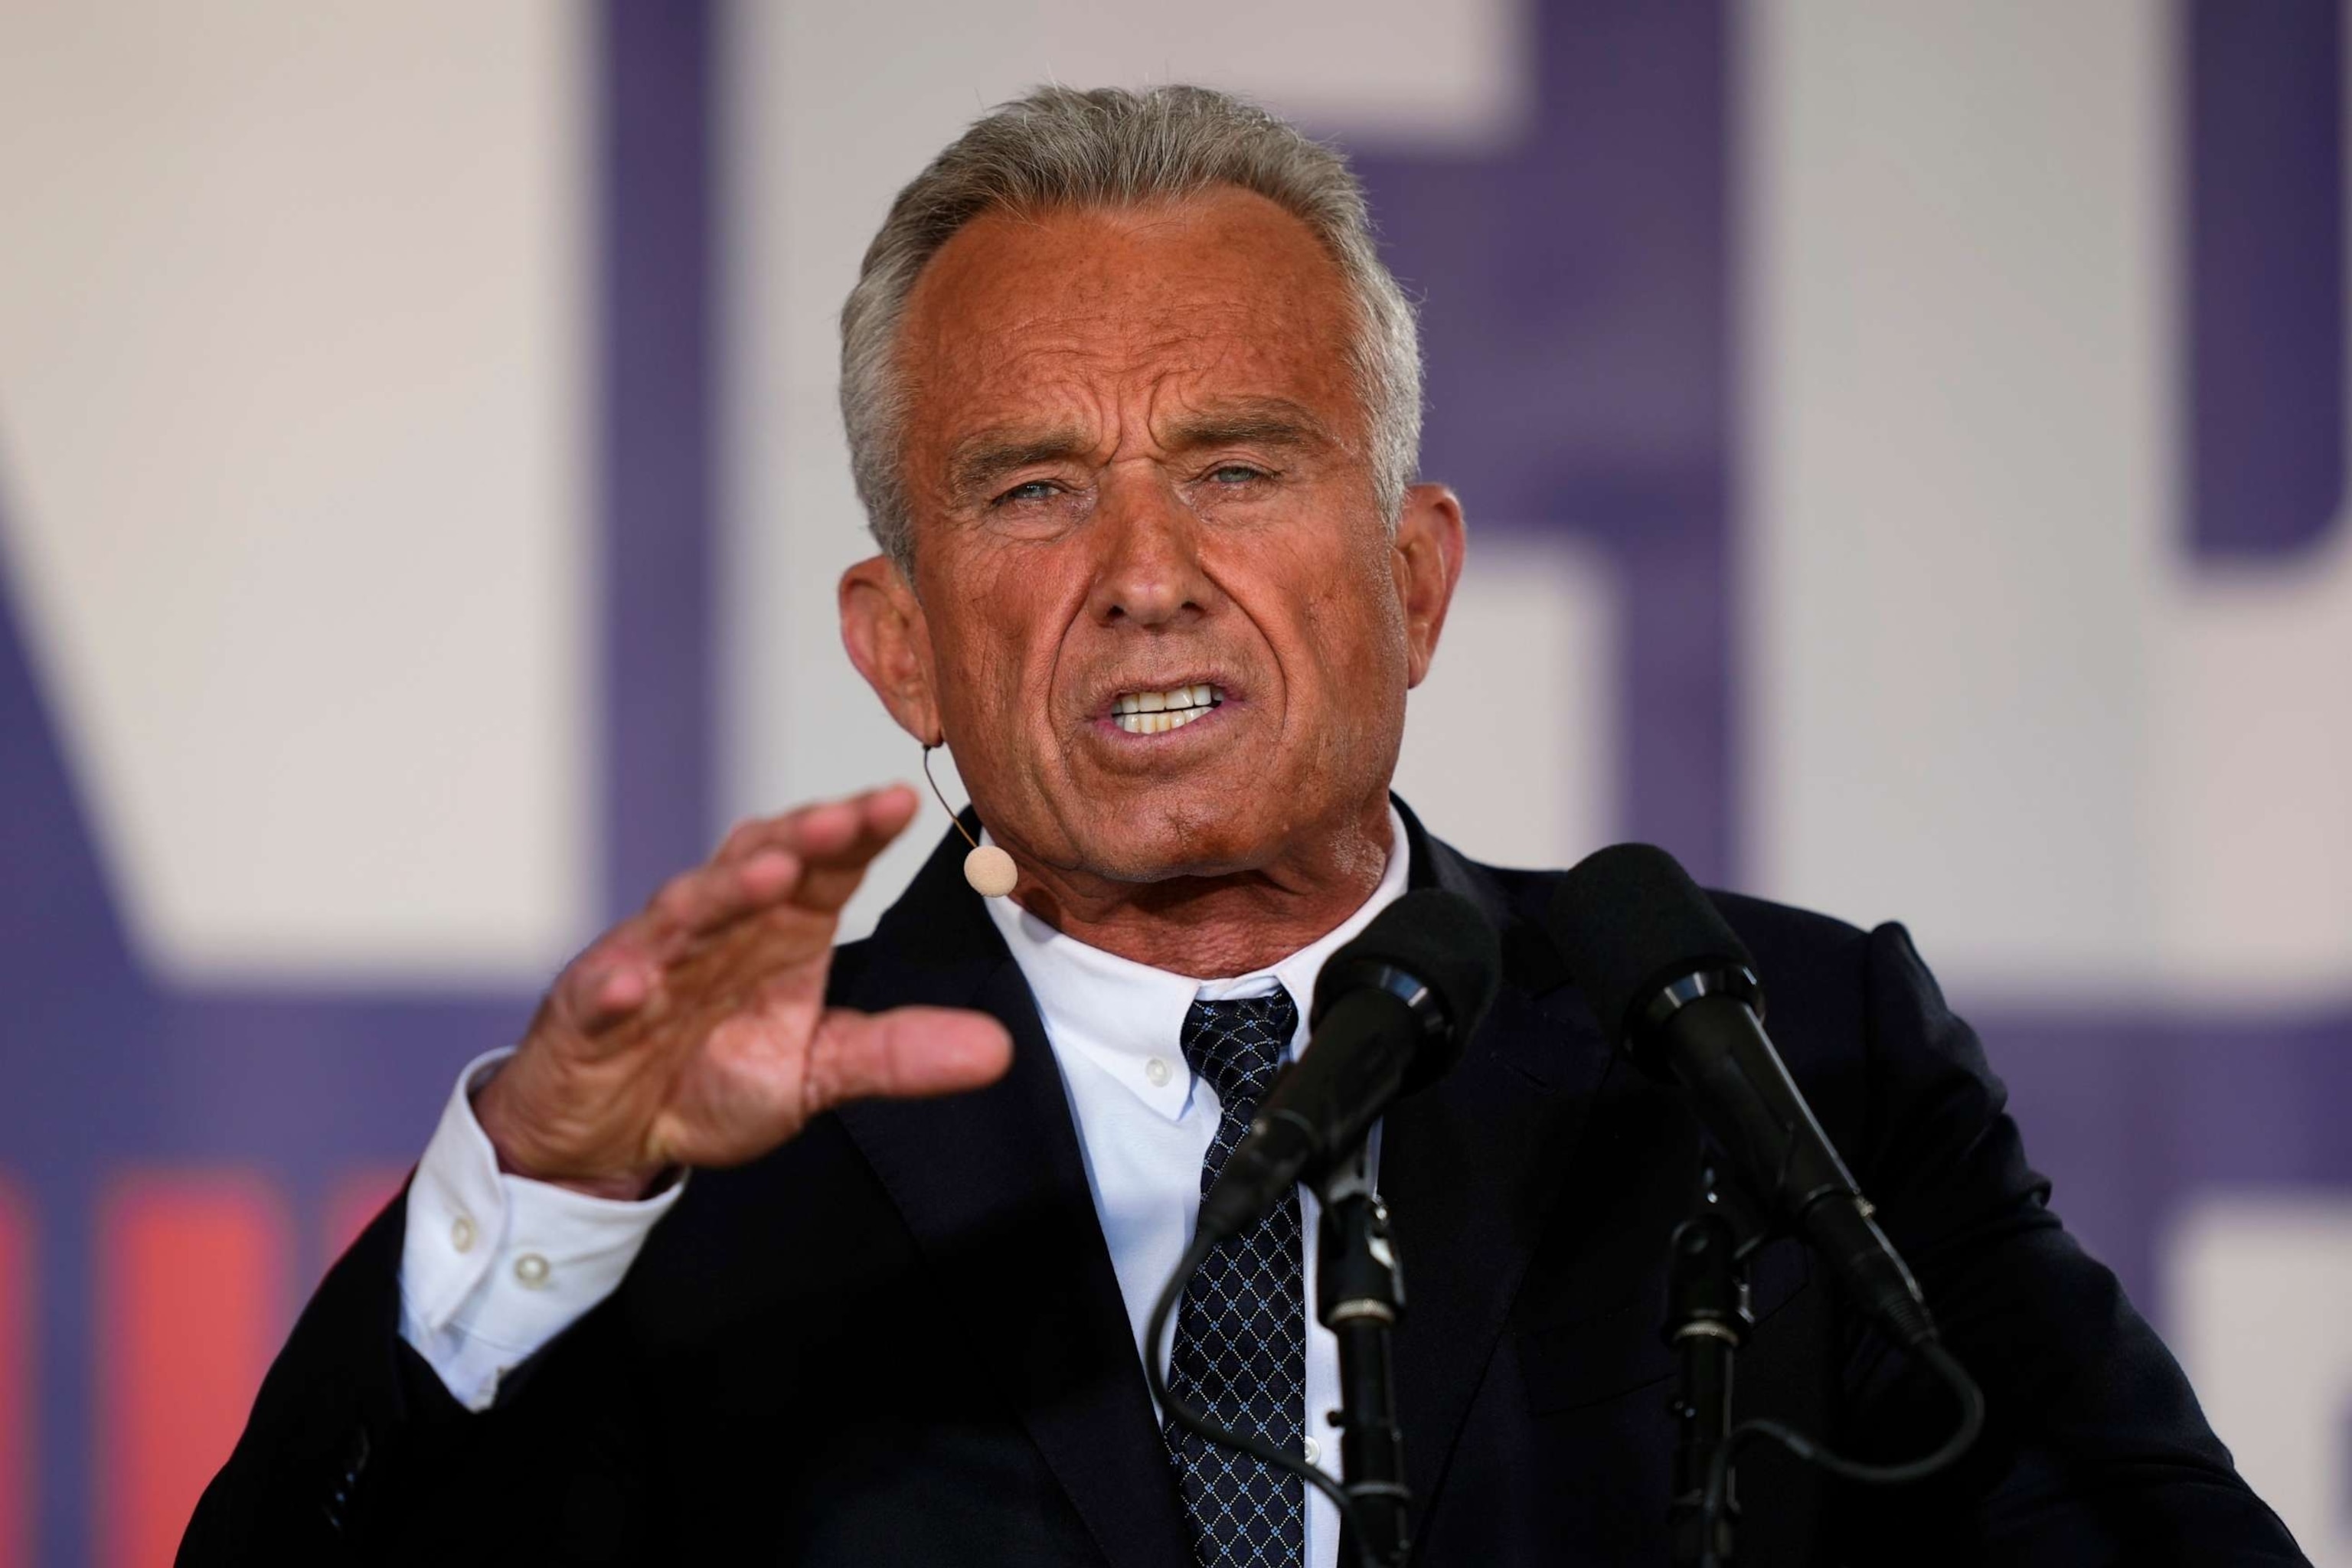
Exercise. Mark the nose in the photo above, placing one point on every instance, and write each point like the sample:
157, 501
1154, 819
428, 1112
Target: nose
1148, 572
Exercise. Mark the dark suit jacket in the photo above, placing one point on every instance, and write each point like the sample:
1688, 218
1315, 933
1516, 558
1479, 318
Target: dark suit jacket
898, 1338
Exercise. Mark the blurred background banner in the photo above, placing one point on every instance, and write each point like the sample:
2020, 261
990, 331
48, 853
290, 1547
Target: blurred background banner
1904, 448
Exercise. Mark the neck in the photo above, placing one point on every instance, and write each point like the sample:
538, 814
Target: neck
1211, 927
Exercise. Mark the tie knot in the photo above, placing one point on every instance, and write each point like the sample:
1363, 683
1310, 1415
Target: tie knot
1237, 1045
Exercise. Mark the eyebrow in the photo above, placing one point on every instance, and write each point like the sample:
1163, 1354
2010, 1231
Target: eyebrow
978, 460
1267, 421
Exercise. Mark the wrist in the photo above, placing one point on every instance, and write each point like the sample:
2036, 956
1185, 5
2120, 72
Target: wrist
520, 1154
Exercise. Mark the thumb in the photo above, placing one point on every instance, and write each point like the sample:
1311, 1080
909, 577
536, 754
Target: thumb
906, 1053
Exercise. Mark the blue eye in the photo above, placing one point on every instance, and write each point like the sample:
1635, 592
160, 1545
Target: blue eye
1236, 473
1035, 490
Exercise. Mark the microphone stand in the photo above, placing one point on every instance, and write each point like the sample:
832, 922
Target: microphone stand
1359, 1297
1707, 1321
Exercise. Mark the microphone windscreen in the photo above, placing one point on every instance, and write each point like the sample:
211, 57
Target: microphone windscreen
1441, 940
1629, 921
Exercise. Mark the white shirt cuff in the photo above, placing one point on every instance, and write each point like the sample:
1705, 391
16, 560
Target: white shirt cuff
494, 1266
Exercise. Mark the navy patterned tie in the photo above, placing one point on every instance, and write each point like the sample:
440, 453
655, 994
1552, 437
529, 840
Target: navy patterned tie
1240, 1355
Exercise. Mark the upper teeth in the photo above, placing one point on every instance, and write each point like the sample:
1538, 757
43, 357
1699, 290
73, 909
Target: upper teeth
1150, 713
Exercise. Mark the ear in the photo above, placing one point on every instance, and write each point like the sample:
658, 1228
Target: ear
1431, 544
882, 627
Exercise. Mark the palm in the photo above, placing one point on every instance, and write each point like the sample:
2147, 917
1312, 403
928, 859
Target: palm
745, 1086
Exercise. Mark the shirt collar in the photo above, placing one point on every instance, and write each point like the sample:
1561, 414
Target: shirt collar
1122, 1014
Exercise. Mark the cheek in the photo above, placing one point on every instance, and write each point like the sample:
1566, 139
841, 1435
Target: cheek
1356, 626
979, 668
995, 649
1342, 648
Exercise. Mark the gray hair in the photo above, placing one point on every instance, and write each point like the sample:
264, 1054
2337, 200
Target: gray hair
1061, 147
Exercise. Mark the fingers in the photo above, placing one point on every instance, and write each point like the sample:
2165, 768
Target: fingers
837, 841
830, 879
770, 860
608, 987
806, 862
857, 827
825, 841
906, 1053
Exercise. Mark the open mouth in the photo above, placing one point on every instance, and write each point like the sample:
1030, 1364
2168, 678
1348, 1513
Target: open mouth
1157, 712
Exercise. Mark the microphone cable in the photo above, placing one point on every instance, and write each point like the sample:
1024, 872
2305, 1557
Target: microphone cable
1718, 1471
1674, 990
1199, 1425
1392, 1008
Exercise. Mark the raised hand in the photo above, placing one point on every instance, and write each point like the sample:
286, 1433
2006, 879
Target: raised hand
695, 1033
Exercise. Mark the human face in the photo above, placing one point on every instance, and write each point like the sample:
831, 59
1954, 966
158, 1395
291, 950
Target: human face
1138, 468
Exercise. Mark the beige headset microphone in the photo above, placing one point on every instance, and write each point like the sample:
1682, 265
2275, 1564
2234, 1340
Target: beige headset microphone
988, 868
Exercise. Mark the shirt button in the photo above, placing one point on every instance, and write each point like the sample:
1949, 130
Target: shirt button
532, 1270
1158, 1071
461, 1233
1313, 1450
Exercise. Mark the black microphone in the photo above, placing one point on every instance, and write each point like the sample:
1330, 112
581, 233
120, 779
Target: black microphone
1677, 990
1391, 1010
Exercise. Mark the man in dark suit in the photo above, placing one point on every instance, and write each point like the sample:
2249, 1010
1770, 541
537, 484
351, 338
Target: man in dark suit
1134, 408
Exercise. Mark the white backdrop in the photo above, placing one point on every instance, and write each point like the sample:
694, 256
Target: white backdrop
296, 318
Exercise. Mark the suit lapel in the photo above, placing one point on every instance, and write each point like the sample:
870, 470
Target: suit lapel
993, 1187
1470, 1168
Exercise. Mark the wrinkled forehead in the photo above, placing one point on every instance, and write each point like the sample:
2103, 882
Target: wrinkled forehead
1100, 316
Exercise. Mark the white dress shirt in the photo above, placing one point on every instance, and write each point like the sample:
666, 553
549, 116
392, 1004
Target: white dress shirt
494, 1266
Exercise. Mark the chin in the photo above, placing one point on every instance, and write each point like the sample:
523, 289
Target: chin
1151, 846
1132, 862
